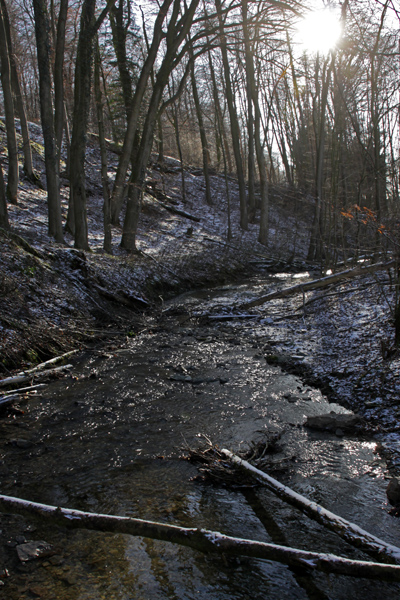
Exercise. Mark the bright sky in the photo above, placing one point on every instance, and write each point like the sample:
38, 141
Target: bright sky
320, 29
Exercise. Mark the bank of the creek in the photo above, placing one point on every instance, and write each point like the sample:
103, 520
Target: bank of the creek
110, 437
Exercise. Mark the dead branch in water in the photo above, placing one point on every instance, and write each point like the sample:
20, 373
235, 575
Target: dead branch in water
202, 540
354, 535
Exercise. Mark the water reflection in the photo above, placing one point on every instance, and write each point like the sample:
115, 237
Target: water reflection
111, 444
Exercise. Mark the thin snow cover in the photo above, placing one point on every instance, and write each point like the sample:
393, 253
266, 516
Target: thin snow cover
336, 335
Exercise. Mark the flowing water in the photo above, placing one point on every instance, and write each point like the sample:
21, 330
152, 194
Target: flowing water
110, 438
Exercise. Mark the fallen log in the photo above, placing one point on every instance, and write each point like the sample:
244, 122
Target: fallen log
8, 400
202, 540
351, 533
318, 283
31, 376
178, 211
52, 361
25, 390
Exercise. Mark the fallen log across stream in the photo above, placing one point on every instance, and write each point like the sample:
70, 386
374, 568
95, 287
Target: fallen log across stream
351, 533
318, 283
38, 372
202, 540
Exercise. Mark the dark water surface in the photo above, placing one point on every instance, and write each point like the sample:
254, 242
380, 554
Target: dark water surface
109, 440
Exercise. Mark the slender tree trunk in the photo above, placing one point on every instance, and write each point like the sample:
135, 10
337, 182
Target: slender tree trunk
130, 135
119, 34
12, 147
176, 33
175, 124
4, 223
128, 240
315, 248
103, 152
42, 26
160, 140
250, 117
59, 104
252, 91
83, 72
203, 137
28, 168
219, 115
235, 130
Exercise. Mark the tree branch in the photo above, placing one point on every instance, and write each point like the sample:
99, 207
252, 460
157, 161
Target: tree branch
202, 540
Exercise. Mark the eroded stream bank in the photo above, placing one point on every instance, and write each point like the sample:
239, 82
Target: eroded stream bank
109, 439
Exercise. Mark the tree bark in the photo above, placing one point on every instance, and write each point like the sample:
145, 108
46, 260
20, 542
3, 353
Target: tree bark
119, 34
315, 250
353, 534
59, 106
42, 26
202, 540
12, 147
83, 71
203, 137
251, 166
235, 130
28, 168
4, 223
176, 33
103, 151
119, 183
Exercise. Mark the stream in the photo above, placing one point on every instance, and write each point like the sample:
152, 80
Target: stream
110, 439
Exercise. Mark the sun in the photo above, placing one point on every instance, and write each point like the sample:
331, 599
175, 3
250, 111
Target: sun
319, 31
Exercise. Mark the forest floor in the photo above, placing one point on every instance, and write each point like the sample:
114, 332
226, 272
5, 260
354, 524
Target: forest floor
54, 298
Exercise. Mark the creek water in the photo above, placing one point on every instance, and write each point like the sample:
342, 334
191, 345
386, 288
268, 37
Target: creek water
109, 439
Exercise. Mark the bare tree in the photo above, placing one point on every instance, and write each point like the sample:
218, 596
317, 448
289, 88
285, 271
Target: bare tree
42, 29
13, 168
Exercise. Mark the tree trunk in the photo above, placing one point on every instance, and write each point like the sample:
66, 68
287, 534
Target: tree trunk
28, 168
42, 26
351, 533
83, 73
128, 240
203, 540
176, 33
119, 183
203, 137
250, 118
235, 130
12, 147
175, 124
4, 223
119, 34
59, 105
315, 250
103, 152
262, 167
219, 117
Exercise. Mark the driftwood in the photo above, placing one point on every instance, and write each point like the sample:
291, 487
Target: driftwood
8, 400
38, 372
31, 376
25, 390
52, 361
202, 540
354, 535
318, 283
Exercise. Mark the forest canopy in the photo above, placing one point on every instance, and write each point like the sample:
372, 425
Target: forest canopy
299, 95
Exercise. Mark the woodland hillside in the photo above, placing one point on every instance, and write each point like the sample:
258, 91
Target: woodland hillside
149, 148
